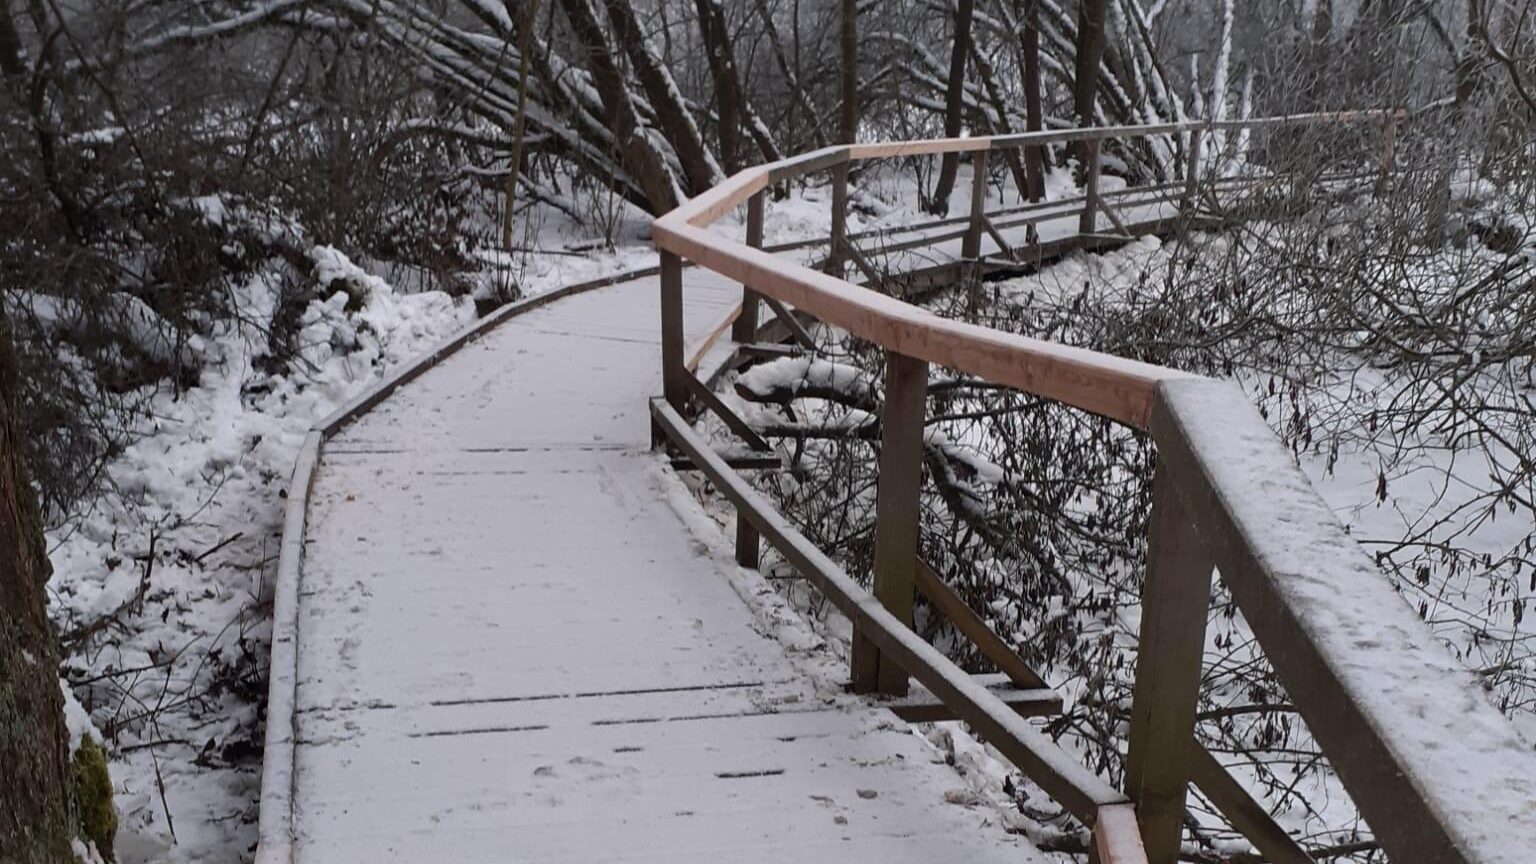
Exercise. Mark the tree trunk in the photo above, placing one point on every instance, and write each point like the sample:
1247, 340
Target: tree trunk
1090, 55
637, 152
37, 810
1034, 112
954, 103
849, 117
722, 68
661, 91
791, 78
525, 24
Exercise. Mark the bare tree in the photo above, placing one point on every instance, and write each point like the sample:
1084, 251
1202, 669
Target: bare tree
41, 815
954, 105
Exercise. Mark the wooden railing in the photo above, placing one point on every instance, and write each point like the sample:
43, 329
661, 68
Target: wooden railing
1433, 768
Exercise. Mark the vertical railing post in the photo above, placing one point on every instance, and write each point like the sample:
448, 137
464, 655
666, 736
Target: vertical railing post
897, 509
1388, 153
839, 238
970, 247
1174, 601
744, 331
673, 385
1089, 224
1192, 168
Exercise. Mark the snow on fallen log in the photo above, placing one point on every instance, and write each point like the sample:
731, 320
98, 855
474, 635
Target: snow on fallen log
123, 316
792, 378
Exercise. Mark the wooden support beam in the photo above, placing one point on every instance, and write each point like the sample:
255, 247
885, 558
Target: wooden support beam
673, 374
1388, 153
897, 514
1062, 775
997, 237
1114, 218
738, 462
791, 323
921, 706
1247, 815
1174, 602
839, 237
970, 247
744, 329
761, 351
975, 629
726, 415
1192, 169
1090, 219
873, 278
1115, 839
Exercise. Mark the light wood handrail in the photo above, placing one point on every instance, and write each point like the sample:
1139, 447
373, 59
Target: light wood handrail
1099, 383
1439, 773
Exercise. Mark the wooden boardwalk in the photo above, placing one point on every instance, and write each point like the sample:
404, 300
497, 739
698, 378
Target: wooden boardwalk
511, 648
498, 634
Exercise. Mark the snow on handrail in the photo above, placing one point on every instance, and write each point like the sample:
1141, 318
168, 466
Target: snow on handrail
1438, 772
1110, 386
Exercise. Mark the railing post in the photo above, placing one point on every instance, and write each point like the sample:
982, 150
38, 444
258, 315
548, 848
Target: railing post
1174, 603
1089, 224
897, 509
839, 238
744, 331
1192, 168
1388, 153
970, 247
673, 384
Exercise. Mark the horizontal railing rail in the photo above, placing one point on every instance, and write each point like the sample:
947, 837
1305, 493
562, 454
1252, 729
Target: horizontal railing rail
1437, 772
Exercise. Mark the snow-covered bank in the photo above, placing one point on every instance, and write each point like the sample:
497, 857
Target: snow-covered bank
162, 587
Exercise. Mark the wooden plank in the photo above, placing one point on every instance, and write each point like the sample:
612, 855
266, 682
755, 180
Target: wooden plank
1192, 168
673, 373
1116, 839
739, 462
975, 629
921, 706
745, 327
757, 351
970, 249
702, 348
410, 371
1102, 384
837, 242
807, 163
1057, 772
872, 278
724, 197
1004, 247
1388, 153
1114, 218
1091, 167
279, 765
706, 208
1437, 772
1246, 815
898, 514
1174, 599
790, 322
726, 415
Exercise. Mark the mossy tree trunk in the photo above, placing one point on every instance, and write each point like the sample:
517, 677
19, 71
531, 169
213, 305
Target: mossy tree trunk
37, 809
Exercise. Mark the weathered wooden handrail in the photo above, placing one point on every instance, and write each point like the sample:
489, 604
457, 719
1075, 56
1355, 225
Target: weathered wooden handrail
1438, 773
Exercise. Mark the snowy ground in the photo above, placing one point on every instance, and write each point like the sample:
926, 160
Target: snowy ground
162, 585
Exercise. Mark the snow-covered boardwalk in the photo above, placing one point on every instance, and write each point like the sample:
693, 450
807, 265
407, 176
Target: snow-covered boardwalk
512, 647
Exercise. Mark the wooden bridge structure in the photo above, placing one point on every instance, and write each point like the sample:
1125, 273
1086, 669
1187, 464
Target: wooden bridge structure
503, 631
